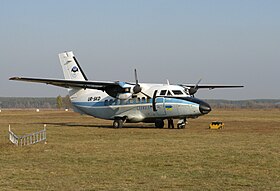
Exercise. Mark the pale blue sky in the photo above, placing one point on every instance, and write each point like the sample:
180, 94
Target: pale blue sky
234, 41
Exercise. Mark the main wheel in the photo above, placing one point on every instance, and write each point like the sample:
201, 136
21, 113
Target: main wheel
159, 123
118, 123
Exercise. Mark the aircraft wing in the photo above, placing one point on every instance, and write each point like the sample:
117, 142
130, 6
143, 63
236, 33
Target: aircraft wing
100, 85
211, 86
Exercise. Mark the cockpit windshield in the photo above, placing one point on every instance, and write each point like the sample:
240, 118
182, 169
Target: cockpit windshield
177, 92
163, 92
172, 93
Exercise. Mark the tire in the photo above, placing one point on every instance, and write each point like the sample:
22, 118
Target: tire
181, 126
118, 123
159, 123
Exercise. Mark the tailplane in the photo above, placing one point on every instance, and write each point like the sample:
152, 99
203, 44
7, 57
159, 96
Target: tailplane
71, 67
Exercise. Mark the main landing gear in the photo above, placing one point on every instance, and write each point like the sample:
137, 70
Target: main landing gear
159, 123
118, 123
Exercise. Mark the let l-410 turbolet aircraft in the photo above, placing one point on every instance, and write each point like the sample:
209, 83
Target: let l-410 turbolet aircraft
128, 102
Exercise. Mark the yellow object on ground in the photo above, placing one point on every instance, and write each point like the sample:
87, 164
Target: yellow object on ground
216, 125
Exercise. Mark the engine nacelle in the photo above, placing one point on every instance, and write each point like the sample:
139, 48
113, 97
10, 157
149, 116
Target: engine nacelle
124, 96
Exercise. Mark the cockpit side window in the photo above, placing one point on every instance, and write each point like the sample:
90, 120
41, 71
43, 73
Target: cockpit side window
177, 92
163, 92
187, 91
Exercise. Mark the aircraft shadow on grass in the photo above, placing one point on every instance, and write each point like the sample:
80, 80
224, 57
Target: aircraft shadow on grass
96, 126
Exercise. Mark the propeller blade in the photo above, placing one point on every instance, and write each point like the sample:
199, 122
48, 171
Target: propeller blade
137, 88
135, 75
196, 85
193, 90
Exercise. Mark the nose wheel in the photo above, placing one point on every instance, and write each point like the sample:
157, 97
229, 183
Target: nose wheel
182, 123
181, 126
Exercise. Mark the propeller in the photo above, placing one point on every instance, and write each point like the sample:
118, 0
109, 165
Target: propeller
137, 88
121, 92
194, 89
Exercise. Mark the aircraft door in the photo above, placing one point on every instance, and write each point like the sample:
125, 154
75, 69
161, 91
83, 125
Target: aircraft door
160, 106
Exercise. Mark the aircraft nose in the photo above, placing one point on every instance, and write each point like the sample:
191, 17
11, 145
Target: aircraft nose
204, 108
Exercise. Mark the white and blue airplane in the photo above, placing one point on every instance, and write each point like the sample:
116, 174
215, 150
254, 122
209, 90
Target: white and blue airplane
129, 102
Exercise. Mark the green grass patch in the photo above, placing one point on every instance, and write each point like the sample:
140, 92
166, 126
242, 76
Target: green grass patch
84, 153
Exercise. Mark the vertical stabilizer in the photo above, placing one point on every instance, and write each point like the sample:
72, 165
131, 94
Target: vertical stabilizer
71, 68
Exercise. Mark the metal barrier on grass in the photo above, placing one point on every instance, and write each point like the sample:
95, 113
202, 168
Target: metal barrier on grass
29, 139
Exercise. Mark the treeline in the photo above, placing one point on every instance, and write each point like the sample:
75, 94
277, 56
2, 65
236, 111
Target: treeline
28, 102
64, 102
246, 104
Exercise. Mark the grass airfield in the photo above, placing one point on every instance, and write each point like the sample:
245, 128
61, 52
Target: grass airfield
84, 153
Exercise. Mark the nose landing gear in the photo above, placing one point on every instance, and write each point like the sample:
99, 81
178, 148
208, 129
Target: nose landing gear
159, 123
182, 123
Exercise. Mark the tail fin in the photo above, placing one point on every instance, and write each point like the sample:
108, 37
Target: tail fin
71, 67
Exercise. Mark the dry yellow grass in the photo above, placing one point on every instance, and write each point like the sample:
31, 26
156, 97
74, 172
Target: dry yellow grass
84, 153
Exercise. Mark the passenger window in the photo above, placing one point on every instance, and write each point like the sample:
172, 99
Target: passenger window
111, 102
162, 92
134, 100
139, 100
118, 102
143, 100
106, 102
169, 93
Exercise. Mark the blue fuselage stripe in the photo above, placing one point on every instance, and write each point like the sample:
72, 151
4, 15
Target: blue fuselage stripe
118, 102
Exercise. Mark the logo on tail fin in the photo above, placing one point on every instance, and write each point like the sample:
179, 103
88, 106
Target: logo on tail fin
74, 70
